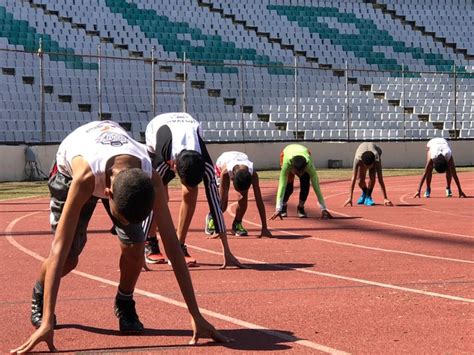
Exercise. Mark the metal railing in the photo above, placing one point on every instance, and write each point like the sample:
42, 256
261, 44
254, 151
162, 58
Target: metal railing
290, 98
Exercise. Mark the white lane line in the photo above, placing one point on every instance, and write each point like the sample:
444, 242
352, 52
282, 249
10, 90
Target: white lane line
236, 321
372, 248
393, 251
369, 248
429, 231
229, 210
444, 213
347, 278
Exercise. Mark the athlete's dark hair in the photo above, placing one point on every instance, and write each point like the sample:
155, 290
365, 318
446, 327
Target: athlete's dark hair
242, 179
299, 162
133, 193
190, 167
440, 163
368, 158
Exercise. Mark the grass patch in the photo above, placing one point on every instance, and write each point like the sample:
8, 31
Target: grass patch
10, 190
339, 174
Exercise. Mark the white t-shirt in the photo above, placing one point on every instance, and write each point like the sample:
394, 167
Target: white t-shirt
439, 146
184, 130
229, 160
97, 142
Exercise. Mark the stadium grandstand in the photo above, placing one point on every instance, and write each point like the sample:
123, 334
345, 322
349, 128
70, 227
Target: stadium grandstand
268, 70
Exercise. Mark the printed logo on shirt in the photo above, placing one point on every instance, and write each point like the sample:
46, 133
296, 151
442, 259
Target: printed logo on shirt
103, 126
113, 139
181, 119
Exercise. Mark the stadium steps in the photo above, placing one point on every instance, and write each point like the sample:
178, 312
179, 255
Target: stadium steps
416, 27
91, 33
227, 83
382, 95
422, 117
18, 32
215, 50
362, 44
421, 110
105, 38
259, 33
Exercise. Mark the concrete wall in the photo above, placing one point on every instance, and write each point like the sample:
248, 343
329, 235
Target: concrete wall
264, 155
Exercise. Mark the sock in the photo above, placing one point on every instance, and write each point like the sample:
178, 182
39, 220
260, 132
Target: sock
124, 296
38, 287
369, 192
364, 191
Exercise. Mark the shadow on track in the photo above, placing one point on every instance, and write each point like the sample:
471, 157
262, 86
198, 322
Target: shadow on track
244, 339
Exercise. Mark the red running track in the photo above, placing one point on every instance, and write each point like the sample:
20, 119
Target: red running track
373, 280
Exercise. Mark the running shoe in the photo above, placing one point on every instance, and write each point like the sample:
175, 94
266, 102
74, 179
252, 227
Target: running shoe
448, 192
190, 261
300, 212
239, 230
37, 308
361, 199
210, 226
427, 193
152, 251
128, 319
369, 201
283, 211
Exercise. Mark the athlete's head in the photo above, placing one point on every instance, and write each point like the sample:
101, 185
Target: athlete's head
133, 195
440, 163
190, 167
368, 158
242, 178
298, 164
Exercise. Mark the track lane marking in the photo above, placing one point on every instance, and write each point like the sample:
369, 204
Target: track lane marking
347, 278
229, 210
236, 321
341, 277
402, 199
429, 231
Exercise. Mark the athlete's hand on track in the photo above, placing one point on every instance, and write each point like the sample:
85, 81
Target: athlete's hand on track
387, 202
145, 265
44, 333
275, 215
230, 259
203, 329
325, 214
462, 194
265, 233
348, 202
417, 195
214, 236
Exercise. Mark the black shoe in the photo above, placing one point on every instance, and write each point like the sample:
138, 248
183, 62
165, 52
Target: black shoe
152, 251
37, 309
283, 212
113, 231
128, 318
301, 212
190, 261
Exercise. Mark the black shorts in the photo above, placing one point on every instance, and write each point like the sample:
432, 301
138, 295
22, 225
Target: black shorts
58, 187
